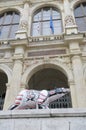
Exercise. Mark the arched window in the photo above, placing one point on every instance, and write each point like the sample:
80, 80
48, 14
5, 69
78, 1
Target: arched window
46, 21
80, 16
9, 22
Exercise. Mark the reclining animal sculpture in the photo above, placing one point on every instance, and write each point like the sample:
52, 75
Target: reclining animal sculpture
31, 99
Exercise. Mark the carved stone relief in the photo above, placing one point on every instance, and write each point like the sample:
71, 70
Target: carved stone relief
23, 25
69, 21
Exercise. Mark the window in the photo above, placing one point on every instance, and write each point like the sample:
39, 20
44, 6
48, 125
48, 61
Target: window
9, 22
46, 21
80, 16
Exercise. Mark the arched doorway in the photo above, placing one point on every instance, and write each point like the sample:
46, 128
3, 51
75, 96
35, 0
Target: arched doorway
49, 78
3, 81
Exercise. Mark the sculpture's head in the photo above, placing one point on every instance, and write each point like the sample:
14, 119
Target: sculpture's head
65, 90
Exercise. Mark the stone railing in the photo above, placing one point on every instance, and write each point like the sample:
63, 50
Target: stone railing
46, 38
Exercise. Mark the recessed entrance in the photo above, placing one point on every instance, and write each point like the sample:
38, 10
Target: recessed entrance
49, 79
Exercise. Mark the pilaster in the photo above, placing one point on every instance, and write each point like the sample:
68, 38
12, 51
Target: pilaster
15, 84
6, 102
74, 42
79, 80
23, 25
73, 94
70, 25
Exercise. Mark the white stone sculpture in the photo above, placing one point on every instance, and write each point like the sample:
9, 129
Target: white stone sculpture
31, 99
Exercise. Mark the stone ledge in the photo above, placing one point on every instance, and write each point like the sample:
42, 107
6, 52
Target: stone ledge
43, 113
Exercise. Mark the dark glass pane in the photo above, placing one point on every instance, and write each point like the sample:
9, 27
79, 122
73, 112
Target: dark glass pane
8, 18
5, 32
37, 17
16, 18
80, 16
46, 28
81, 23
36, 29
84, 6
1, 19
46, 14
10, 25
57, 27
78, 11
13, 31
56, 15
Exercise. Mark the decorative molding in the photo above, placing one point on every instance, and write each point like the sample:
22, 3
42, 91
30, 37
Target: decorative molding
63, 60
47, 52
46, 38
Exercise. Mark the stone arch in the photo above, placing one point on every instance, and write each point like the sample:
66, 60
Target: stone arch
5, 78
42, 73
36, 67
16, 9
58, 7
75, 3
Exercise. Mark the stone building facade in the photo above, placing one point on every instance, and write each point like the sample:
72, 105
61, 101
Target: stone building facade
42, 46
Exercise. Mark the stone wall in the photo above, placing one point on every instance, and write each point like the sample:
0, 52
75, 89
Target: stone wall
40, 119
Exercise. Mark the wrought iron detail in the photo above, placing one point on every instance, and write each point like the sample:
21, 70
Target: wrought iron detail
63, 102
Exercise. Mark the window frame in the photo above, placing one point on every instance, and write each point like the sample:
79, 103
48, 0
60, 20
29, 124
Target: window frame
51, 9
82, 16
9, 25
